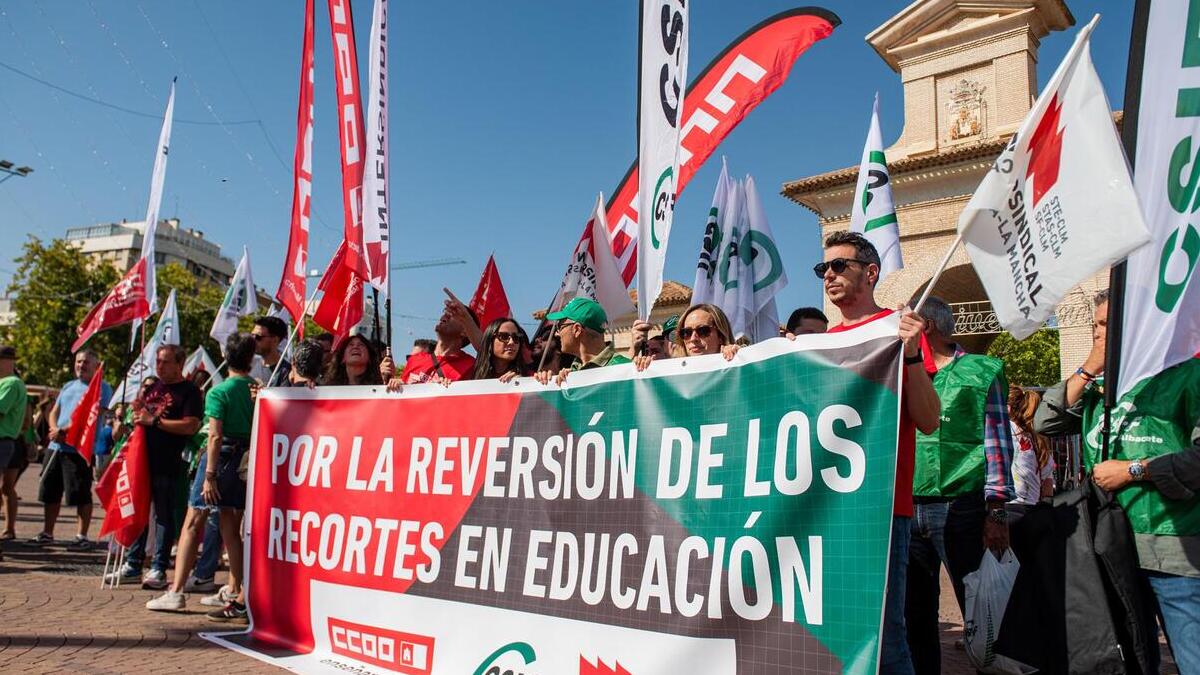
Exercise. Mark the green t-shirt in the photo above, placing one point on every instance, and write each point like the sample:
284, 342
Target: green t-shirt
230, 402
12, 406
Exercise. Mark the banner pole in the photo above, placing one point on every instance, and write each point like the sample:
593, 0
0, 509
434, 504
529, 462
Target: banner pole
553, 332
376, 334
937, 274
1116, 278
107, 559
291, 336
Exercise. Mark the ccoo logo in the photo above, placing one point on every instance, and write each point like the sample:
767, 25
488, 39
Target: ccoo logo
400, 652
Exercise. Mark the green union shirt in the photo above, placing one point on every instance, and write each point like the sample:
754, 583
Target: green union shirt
12, 406
230, 402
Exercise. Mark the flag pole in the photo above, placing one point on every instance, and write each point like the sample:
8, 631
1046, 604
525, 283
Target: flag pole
1116, 279
938, 273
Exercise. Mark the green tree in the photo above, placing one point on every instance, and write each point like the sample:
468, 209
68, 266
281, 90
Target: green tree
52, 291
1032, 362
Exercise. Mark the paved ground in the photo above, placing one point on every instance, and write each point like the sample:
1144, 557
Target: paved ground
54, 618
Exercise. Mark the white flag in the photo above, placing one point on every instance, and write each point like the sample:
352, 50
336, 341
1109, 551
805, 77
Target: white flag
662, 78
376, 216
200, 360
593, 272
1058, 205
166, 333
157, 178
873, 213
1162, 291
767, 276
240, 300
705, 289
732, 268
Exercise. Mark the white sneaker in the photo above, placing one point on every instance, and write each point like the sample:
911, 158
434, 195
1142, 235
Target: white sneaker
155, 580
126, 574
223, 597
194, 585
167, 602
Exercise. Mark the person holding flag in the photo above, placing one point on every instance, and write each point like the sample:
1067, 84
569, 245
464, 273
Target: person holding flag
219, 484
170, 411
65, 473
1153, 468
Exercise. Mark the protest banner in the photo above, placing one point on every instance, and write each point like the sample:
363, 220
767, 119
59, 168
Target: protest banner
699, 517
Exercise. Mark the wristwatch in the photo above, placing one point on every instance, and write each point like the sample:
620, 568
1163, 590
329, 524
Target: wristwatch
998, 515
919, 357
1137, 470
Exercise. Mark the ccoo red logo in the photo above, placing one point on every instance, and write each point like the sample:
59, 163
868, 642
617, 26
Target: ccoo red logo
383, 647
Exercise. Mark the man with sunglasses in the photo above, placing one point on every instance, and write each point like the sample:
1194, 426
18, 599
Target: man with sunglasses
849, 273
269, 333
580, 329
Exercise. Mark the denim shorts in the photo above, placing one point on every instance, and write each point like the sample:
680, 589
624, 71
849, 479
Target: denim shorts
231, 487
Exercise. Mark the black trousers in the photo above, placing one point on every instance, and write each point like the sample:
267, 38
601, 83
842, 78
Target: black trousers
944, 532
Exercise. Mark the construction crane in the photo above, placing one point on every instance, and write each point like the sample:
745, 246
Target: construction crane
437, 262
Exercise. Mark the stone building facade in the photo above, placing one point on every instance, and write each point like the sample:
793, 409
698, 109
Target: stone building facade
969, 71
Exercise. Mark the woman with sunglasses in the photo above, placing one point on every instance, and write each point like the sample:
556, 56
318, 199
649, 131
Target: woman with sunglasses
507, 349
355, 362
703, 329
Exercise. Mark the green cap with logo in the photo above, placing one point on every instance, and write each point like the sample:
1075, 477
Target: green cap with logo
669, 327
584, 311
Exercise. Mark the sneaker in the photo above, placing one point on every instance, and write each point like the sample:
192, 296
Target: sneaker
155, 580
234, 612
167, 602
125, 574
223, 597
41, 539
80, 544
195, 585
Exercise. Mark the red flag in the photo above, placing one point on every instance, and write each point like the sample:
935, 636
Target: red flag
126, 302
292, 288
743, 75
490, 302
350, 130
81, 435
341, 306
124, 491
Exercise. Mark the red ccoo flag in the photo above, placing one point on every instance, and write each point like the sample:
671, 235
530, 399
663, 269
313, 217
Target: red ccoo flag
341, 306
124, 491
126, 302
490, 302
85, 421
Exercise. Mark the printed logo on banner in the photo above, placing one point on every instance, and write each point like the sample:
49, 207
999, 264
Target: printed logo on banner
586, 667
513, 658
384, 647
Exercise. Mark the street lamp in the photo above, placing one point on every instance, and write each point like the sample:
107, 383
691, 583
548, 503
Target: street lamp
9, 170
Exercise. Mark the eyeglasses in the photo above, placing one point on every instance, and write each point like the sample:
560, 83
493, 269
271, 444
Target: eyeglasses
838, 265
701, 332
506, 337
564, 325
258, 336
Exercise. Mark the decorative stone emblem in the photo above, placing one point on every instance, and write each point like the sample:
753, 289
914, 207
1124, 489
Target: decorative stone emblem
966, 106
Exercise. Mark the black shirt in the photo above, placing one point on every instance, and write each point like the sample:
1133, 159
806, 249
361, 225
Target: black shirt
170, 402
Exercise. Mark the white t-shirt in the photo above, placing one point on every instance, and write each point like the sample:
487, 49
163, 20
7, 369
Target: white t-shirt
1027, 480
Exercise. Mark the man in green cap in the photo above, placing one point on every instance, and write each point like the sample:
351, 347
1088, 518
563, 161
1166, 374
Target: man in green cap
657, 347
580, 329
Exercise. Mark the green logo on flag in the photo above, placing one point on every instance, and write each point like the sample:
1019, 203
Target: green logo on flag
664, 203
1167, 297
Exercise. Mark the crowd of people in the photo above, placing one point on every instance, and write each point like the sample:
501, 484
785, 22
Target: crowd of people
973, 455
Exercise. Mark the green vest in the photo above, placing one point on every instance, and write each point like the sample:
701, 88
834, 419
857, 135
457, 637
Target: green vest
950, 461
1156, 417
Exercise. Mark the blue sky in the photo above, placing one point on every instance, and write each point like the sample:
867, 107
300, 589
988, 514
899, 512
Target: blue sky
507, 118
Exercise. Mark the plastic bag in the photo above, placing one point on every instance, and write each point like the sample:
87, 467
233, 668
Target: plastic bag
987, 591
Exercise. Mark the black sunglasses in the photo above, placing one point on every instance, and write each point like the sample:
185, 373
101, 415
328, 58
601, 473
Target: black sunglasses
505, 338
838, 265
701, 331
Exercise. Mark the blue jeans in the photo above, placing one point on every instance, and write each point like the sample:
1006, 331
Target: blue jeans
895, 658
210, 558
1179, 603
163, 495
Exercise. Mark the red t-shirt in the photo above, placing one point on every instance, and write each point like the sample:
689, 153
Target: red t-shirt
456, 365
906, 448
